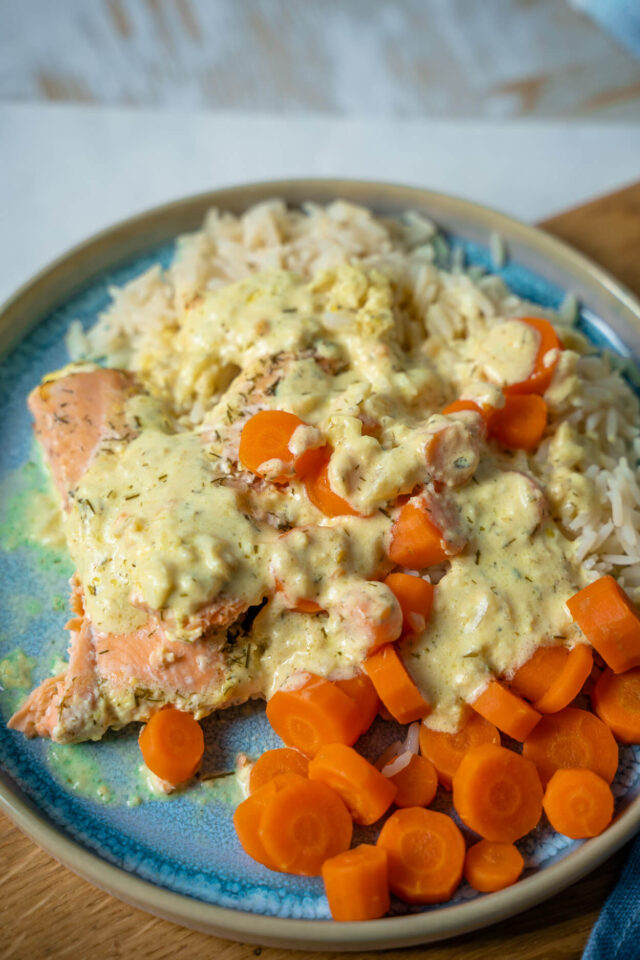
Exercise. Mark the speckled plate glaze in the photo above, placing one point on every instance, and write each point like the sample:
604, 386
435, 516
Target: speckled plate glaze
87, 805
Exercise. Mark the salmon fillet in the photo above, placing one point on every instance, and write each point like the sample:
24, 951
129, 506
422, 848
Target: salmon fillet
115, 679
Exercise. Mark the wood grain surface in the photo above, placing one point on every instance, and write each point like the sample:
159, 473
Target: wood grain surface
495, 59
47, 912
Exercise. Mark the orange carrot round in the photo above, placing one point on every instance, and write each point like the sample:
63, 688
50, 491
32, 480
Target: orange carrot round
415, 597
578, 803
572, 738
491, 865
485, 412
356, 883
248, 815
364, 790
497, 793
507, 711
609, 621
569, 682
446, 750
265, 436
535, 676
394, 686
313, 715
364, 695
416, 783
542, 373
272, 763
303, 825
521, 423
416, 541
426, 855
172, 745
616, 700
321, 494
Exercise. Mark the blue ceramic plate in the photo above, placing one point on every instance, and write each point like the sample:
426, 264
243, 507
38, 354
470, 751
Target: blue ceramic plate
89, 804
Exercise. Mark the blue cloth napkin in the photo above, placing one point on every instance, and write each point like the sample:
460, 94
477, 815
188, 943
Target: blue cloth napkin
616, 933
619, 17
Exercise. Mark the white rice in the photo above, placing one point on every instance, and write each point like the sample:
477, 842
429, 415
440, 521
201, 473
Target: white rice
434, 307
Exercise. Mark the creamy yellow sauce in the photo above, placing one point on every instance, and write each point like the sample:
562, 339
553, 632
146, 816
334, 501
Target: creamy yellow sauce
169, 524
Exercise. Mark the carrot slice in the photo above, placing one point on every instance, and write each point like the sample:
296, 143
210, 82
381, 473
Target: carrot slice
491, 865
572, 738
534, 677
356, 883
248, 815
303, 825
416, 541
485, 412
172, 745
610, 623
314, 714
426, 855
416, 783
364, 695
446, 750
265, 436
366, 793
376, 615
542, 373
299, 604
272, 763
320, 493
394, 686
521, 423
578, 803
616, 700
497, 793
507, 711
569, 683
415, 597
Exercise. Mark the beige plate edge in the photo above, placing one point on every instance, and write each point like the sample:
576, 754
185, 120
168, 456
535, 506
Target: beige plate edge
63, 279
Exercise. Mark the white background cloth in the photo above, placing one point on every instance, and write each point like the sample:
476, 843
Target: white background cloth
68, 171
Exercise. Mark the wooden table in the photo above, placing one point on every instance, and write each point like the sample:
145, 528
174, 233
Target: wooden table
46, 911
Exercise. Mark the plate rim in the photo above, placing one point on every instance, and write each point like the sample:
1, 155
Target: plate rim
60, 280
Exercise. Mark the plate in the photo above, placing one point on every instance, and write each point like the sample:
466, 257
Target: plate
89, 805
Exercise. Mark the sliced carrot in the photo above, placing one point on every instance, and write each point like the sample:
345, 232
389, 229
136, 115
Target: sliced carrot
274, 762
509, 713
320, 493
416, 541
415, 597
446, 750
356, 883
572, 738
299, 604
426, 855
491, 865
534, 677
265, 436
394, 686
521, 423
364, 695
314, 714
366, 793
416, 783
172, 745
578, 803
569, 682
248, 815
303, 825
609, 621
542, 373
616, 700
310, 461
497, 793
485, 412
